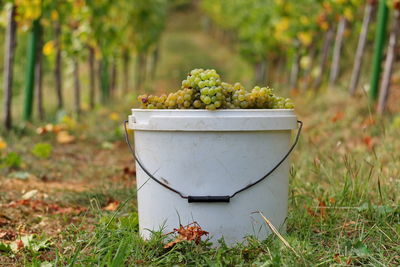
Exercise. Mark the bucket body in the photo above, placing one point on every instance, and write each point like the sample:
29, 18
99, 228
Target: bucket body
212, 153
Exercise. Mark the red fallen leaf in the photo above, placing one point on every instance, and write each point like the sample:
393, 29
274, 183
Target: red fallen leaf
369, 142
20, 244
112, 206
338, 116
321, 211
190, 232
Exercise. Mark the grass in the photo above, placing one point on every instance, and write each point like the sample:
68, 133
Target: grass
343, 200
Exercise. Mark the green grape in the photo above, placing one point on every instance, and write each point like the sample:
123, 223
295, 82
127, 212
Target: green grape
211, 107
207, 100
204, 89
197, 104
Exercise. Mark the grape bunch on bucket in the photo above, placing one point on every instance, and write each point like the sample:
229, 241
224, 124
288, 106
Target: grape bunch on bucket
203, 89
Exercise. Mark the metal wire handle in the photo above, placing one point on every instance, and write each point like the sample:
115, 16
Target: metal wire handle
192, 199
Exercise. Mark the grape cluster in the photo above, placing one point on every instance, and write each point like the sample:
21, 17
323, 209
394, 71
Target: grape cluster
203, 89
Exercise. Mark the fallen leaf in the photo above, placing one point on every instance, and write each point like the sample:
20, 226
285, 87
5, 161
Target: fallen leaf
57, 129
368, 122
114, 116
70, 210
20, 244
369, 142
41, 130
190, 232
64, 137
322, 209
49, 127
30, 194
3, 144
7, 234
336, 258
38, 205
107, 145
338, 116
4, 220
112, 206
318, 213
129, 171
346, 224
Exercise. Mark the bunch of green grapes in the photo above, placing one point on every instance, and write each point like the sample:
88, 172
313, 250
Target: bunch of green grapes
203, 89
278, 102
152, 102
207, 88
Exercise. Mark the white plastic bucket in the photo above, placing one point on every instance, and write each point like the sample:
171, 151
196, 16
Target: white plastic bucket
212, 153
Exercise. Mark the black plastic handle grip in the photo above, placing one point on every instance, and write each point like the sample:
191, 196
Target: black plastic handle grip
208, 199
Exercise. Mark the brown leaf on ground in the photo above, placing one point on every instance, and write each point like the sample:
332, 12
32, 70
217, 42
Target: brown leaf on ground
41, 130
320, 212
190, 232
368, 122
38, 205
63, 137
49, 128
70, 210
129, 171
336, 258
338, 116
4, 219
7, 234
322, 208
112, 206
20, 244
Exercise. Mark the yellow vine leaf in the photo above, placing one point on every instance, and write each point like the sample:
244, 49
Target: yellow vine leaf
348, 14
305, 38
3, 144
48, 48
114, 116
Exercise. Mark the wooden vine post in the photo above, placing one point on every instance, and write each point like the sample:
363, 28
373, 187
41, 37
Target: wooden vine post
8, 65
362, 41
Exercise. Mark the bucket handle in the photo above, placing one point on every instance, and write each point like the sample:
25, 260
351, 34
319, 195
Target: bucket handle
208, 199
